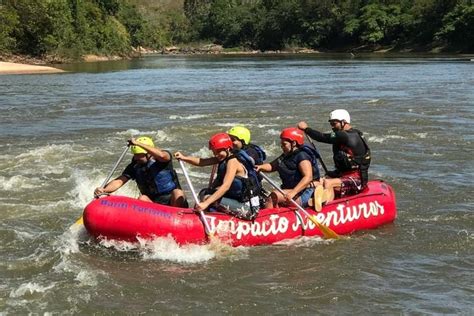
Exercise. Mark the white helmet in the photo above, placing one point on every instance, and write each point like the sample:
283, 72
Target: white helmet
340, 115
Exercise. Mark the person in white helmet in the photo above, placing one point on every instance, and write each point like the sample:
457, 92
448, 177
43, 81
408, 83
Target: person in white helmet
351, 155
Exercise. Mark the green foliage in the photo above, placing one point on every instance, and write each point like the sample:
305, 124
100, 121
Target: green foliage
378, 22
72, 28
230, 22
428, 18
177, 27
134, 23
115, 37
33, 26
9, 22
60, 38
458, 27
197, 12
110, 7
278, 24
322, 23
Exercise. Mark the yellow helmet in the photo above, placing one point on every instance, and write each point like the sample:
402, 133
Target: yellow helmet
144, 140
241, 133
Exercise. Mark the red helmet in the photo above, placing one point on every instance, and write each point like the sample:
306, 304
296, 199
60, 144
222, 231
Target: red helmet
220, 141
293, 134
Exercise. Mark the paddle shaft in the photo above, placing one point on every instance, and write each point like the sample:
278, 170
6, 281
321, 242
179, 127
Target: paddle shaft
319, 158
114, 167
211, 177
201, 213
327, 232
80, 221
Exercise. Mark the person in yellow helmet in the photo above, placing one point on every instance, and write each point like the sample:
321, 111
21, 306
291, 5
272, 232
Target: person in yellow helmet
240, 137
152, 169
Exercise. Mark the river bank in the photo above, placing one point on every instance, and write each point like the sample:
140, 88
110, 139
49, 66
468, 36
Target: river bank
22, 64
7, 68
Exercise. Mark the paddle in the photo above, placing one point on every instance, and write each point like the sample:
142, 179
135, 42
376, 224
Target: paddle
196, 200
319, 158
80, 221
327, 232
211, 177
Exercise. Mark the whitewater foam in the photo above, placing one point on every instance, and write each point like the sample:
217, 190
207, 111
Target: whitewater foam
273, 132
49, 152
19, 183
86, 278
86, 181
421, 135
29, 289
382, 139
305, 241
157, 135
188, 117
167, 249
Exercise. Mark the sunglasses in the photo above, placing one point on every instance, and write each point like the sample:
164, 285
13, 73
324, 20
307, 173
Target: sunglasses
334, 122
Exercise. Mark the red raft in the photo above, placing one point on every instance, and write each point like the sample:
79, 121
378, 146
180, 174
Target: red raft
124, 218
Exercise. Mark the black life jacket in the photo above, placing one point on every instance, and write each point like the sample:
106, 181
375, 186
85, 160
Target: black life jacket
256, 152
288, 170
156, 177
242, 189
346, 161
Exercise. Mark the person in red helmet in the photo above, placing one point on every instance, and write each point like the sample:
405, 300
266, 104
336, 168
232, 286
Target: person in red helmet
351, 155
233, 189
297, 167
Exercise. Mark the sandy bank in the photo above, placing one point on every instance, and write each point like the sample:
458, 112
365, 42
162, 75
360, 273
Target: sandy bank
15, 69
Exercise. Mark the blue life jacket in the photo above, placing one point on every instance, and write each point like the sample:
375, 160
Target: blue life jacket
249, 164
256, 152
288, 170
156, 178
242, 189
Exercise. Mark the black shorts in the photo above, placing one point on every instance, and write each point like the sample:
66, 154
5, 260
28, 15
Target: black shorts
164, 199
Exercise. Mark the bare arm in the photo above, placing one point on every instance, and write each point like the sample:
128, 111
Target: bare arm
155, 152
196, 161
112, 186
267, 167
231, 171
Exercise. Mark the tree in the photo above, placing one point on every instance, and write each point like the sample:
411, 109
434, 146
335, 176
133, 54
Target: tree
428, 18
278, 24
197, 12
231, 22
59, 37
9, 22
134, 22
458, 27
377, 23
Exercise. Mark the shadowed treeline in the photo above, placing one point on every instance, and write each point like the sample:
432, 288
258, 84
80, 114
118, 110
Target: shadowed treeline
72, 28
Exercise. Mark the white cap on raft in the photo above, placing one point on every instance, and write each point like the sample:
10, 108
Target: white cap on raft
340, 115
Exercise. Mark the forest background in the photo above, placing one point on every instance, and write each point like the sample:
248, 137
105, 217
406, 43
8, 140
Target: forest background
63, 30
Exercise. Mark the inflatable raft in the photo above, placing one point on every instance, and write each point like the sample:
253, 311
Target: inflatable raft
124, 218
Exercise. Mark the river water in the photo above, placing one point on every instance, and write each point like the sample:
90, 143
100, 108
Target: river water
62, 133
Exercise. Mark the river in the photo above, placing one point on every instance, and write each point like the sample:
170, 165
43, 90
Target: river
61, 134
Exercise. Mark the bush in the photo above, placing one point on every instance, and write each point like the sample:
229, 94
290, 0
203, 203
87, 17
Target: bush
9, 22
458, 27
